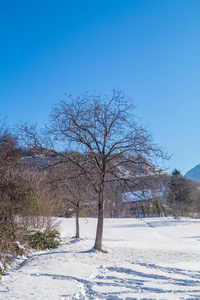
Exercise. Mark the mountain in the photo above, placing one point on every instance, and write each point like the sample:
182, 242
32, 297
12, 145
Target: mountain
193, 174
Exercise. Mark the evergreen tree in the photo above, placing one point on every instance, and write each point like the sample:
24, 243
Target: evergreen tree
179, 194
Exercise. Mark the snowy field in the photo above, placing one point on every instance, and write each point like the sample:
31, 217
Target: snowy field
147, 259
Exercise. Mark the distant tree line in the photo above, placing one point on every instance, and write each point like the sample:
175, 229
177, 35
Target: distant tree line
182, 196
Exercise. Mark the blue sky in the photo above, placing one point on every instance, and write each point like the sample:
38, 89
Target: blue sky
150, 49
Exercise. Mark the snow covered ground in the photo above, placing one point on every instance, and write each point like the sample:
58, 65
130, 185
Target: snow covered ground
155, 258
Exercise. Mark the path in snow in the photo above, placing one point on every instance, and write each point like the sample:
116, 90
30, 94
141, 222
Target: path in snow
147, 259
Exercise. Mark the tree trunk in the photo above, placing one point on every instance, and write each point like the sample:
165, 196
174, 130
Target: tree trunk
99, 233
77, 221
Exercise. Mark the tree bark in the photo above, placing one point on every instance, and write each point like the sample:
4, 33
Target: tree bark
77, 221
99, 233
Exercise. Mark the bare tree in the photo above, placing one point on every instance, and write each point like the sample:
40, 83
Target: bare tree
17, 198
74, 189
16, 195
101, 136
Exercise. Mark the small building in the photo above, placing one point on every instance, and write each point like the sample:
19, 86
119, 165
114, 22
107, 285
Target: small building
140, 204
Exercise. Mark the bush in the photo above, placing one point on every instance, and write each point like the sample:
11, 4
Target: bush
43, 240
10, 249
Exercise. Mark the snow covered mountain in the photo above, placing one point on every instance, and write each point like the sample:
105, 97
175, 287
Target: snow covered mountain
193, 174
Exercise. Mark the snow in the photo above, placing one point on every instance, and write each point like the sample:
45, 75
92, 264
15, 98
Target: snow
152, 258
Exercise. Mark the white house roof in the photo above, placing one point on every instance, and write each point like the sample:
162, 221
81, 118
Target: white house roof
136, 196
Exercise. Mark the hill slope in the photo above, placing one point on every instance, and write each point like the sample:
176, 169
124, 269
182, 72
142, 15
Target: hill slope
193, 174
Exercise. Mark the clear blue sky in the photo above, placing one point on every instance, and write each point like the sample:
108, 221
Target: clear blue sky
150, 49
